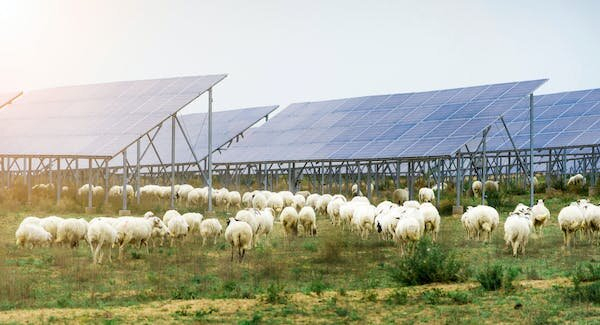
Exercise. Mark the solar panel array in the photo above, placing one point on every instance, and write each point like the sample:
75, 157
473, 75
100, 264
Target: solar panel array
566, 119
423, 124
226, 125
93, 120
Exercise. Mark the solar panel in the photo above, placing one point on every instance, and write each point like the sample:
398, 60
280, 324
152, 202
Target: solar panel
564, 119
96, 120
226, 126
380, 127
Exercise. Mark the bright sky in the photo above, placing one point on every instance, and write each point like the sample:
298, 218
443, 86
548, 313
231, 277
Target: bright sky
279, 52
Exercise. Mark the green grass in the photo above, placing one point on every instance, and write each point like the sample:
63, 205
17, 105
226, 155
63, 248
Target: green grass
334, 262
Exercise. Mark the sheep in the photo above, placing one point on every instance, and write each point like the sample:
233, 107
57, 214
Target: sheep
116, 191
183, 191
399, 196
247, 199
221, 197
407, 231
249, 216
540, 215
239, 235
193, 220
576, 181
299, 201
517, 228
101, 234
431, 217
289, 220
481, 220
364, 219
194, 197
312, 201
383, 221
491, 186
360, 199
288, 198
33, 234
477, 187
355, 190
591, 217
234, 199
71, 231
264, 219
411, 204
305, 194
31, 219
178, 228
333, 210
259, 201
570, 220
426, 195
323, 202
308, 220
98, 191
168, 215
210, 228
275, 202
443, 185
132, 230
50, 224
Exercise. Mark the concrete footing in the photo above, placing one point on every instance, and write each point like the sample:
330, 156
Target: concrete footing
457, 210
123, 213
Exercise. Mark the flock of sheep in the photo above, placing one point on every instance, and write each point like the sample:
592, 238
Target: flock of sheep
403, 221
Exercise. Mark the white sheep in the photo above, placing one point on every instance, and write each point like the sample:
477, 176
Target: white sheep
289, 220
239, 235
101, 234
183, 191
259, 201
333, 210
299, 201
264, 219
303, 193
481, 221
193, 220
33, 234
247, 199
133, 230
407, 231
71, 231
577, 181
431, 217
51, 224
288, 198
31, 219
491, 186
275, 202
170, 214
426, 195
194, 197
443, 185
399, 196
570, 220
364, 219
312, 200
355, 190
540, 215
591, 216
308, 220
250, 217
517, 228
234, 199
178, 228
210, 228
323, 202
477, 187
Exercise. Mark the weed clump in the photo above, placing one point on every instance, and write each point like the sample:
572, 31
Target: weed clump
495, 277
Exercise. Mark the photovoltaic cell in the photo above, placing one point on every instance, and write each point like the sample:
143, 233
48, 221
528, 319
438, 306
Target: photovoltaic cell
388, 126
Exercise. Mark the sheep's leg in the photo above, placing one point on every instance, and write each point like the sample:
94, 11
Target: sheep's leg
215, 240
203, 241
515, 247
110, 253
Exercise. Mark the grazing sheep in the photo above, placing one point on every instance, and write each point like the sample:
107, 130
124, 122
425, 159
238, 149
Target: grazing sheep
239, 235
308, 220
249, 216
363, 219
168, 215
411, 204
305, 194
234, 199
333, 210
133, 230
210, 228
259, 201
289, 220
247, 199
178, 228
491, 186
51, 224
71, 231
31, 219
540, 215
288, 198
591, 216
432, 219
400, 196
570, 220
275, 202
481, 220
101, 234
426, 195
577, 181
443, 186
194, 197
477, 187
299, 201
264, 219
183, 191
407, 231
323, 202
193, 220
33, 234
517, 228
312, 201
355, 190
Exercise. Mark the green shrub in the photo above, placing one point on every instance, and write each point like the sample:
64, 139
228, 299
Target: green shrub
460, 297
433, 296
275, 294
586, 273
428, 263
398, 297
494, 277
589, 293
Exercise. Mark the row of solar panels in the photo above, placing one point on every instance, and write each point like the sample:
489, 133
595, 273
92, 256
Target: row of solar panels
103, 119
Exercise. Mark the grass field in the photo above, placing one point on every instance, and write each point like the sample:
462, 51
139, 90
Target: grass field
333, 278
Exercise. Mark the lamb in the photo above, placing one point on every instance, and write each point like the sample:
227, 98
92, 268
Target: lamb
239, 235
178, 228
234, 199
407, 231
364, 219
308, 220
101, 234
132, 230
289, 220
426, 195
259, 201
210, 228
71, 231
432, 219
570, 220
193, 220
540, 215
168, 215
33, 234
576, 181
517, 228
400, 196
383, 222
477, 187
275, 202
